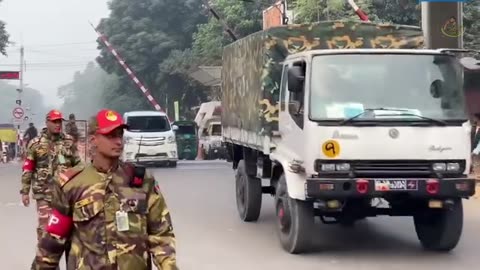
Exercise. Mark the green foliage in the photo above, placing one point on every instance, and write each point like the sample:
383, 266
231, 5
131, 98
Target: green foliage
145, 33
243, 17
471, 22
406, 12
3, 37
83, 96
393, 11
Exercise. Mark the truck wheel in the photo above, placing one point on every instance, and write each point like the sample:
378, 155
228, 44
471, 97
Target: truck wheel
248, 194
440, 229
295, 220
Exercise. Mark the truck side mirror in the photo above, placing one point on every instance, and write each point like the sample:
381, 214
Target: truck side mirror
296, 79
174, 127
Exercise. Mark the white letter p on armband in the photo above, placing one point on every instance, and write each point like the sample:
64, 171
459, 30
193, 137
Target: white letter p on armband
53, 220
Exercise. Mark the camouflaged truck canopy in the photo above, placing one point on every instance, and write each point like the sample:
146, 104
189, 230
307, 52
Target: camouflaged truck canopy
252, 66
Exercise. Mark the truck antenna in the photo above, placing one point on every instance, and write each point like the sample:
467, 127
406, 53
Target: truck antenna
220, 19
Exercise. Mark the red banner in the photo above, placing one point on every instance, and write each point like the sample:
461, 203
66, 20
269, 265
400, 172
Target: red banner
9, 75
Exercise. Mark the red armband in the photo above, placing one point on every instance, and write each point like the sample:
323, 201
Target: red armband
28, 165
59, 224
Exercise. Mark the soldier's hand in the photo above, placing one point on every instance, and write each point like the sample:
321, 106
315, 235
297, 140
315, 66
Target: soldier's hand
26, 200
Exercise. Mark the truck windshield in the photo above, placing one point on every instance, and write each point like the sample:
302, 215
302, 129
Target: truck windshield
153, 123
183, 129
428, 86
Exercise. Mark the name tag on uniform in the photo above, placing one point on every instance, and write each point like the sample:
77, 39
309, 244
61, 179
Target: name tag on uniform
121, 218
61, 159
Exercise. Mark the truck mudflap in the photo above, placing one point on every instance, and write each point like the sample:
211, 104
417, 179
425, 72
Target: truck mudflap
317, 188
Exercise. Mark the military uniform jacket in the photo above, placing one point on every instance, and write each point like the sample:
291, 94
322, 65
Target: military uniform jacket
91, 200
46, 157
72, 130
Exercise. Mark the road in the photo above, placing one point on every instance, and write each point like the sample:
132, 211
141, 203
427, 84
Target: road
211, 236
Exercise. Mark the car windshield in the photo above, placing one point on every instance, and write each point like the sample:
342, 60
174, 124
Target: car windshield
413, 86
154, 123
185, 129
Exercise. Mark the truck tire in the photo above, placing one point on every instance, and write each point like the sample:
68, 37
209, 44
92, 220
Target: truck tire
248, 194
295, 220
440, 229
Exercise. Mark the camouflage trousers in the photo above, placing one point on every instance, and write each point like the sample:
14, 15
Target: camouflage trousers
43, 214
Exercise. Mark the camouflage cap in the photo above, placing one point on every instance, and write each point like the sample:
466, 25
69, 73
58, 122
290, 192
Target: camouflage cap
54, 115
105, 122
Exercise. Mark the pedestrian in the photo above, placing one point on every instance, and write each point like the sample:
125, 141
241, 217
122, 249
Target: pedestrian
113, 213
71, 128
2, 160
30, 133
48, 154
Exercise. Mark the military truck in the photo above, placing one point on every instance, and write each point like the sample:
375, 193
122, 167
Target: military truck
347, 120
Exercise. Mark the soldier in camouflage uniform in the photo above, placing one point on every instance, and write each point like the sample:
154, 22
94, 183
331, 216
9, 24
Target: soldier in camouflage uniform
71, 128
49, 154
112, 212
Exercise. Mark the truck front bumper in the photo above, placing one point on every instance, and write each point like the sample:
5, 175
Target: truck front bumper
317, 188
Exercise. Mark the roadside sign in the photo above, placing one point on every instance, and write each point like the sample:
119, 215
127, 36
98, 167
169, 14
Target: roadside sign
9, 75
18, 122
18, 113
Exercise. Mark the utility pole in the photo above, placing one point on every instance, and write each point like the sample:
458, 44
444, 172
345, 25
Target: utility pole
20, 91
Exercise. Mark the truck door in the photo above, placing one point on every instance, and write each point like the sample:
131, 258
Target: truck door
291, 116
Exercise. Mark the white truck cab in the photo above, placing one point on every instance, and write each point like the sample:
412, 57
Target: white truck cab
150, 139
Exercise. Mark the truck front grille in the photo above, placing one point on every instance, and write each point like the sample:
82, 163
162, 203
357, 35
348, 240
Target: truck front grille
379, 168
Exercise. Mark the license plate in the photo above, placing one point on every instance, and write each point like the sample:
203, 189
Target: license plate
396, 185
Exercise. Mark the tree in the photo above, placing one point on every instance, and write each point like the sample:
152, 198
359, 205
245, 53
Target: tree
307, 11
3, 37
389, 11
84, 95
243, 17
471, 22
145, 33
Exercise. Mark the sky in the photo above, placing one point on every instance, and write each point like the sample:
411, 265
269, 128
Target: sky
57, 37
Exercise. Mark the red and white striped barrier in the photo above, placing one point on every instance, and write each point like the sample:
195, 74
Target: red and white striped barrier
129, 71
361, 14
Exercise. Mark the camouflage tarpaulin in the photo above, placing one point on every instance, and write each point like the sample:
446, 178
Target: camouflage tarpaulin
251, 70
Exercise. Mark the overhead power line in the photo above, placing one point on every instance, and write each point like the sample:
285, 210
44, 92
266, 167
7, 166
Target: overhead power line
93, 42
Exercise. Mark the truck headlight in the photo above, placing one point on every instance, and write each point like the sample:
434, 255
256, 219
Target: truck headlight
171, 139
329, 167
441, 166
454, 166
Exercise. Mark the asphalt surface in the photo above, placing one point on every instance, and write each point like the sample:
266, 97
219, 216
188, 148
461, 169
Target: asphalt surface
211, 236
